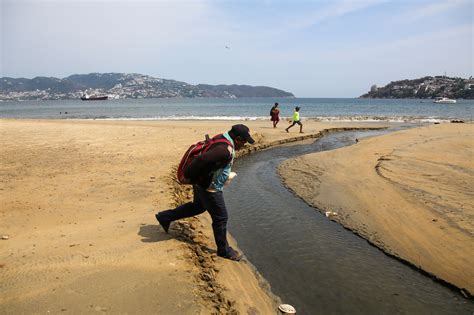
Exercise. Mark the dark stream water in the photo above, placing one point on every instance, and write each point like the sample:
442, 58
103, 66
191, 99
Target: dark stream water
313, 263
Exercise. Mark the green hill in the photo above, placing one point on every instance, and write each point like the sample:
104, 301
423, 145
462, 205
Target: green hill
426, 87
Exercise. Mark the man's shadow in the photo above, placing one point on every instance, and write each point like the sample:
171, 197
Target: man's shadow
153, 233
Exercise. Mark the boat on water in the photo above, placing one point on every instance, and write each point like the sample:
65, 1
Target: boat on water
86, 97
444, 100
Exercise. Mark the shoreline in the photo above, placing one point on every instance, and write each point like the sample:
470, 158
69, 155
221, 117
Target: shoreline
457, 289
369, 119
400, 212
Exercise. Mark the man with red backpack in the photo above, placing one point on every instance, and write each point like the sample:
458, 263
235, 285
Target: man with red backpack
208, 172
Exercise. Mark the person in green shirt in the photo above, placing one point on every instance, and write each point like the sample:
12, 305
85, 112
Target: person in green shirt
296, 120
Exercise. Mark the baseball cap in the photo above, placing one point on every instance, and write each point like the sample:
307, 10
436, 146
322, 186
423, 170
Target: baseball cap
243, 132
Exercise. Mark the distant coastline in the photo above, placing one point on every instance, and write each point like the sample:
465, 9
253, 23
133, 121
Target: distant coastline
425, 88
123, 86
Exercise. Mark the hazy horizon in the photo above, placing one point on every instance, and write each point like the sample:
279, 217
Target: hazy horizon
308, 48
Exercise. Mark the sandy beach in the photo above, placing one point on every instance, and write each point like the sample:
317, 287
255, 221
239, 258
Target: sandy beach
77, 221
409, 193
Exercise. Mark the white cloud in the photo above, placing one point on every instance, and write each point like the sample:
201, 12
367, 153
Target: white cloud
62, 37
461, 33
431, 9
335, 10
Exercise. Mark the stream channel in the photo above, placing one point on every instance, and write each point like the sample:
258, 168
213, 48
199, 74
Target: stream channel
313, 263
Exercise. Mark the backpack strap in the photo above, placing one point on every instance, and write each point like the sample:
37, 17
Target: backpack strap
216, 141
220, 138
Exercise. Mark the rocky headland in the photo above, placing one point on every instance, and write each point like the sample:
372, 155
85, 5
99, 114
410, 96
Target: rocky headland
426, 87
123, 85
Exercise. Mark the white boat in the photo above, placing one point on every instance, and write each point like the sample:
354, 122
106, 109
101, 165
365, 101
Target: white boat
444, 100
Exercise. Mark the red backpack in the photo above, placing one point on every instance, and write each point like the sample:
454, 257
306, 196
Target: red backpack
196, 150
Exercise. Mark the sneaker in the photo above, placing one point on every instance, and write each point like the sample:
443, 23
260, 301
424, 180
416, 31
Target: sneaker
231, 254
165, 225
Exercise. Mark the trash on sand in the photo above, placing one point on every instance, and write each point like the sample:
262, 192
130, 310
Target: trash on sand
330, 214
287, 309
5, 237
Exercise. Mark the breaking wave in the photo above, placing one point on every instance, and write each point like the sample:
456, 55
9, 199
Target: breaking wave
399, 119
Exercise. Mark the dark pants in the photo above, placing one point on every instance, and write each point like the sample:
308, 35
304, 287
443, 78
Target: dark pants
294, 123
203, 200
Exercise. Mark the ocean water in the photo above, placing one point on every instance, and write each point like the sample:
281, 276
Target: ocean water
324, 109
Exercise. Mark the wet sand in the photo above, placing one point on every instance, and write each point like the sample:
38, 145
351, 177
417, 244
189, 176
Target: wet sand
409, 193
77, 206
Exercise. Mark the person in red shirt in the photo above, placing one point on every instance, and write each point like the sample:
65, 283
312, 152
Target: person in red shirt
275, 115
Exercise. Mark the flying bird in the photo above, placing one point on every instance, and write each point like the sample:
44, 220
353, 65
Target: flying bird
227, 47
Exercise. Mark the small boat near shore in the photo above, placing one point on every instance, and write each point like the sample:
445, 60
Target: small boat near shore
86, 97
444, 100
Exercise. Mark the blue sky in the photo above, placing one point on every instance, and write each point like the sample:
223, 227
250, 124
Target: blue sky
310, 48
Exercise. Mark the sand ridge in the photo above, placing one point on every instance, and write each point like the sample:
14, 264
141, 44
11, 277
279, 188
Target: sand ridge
409, 193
